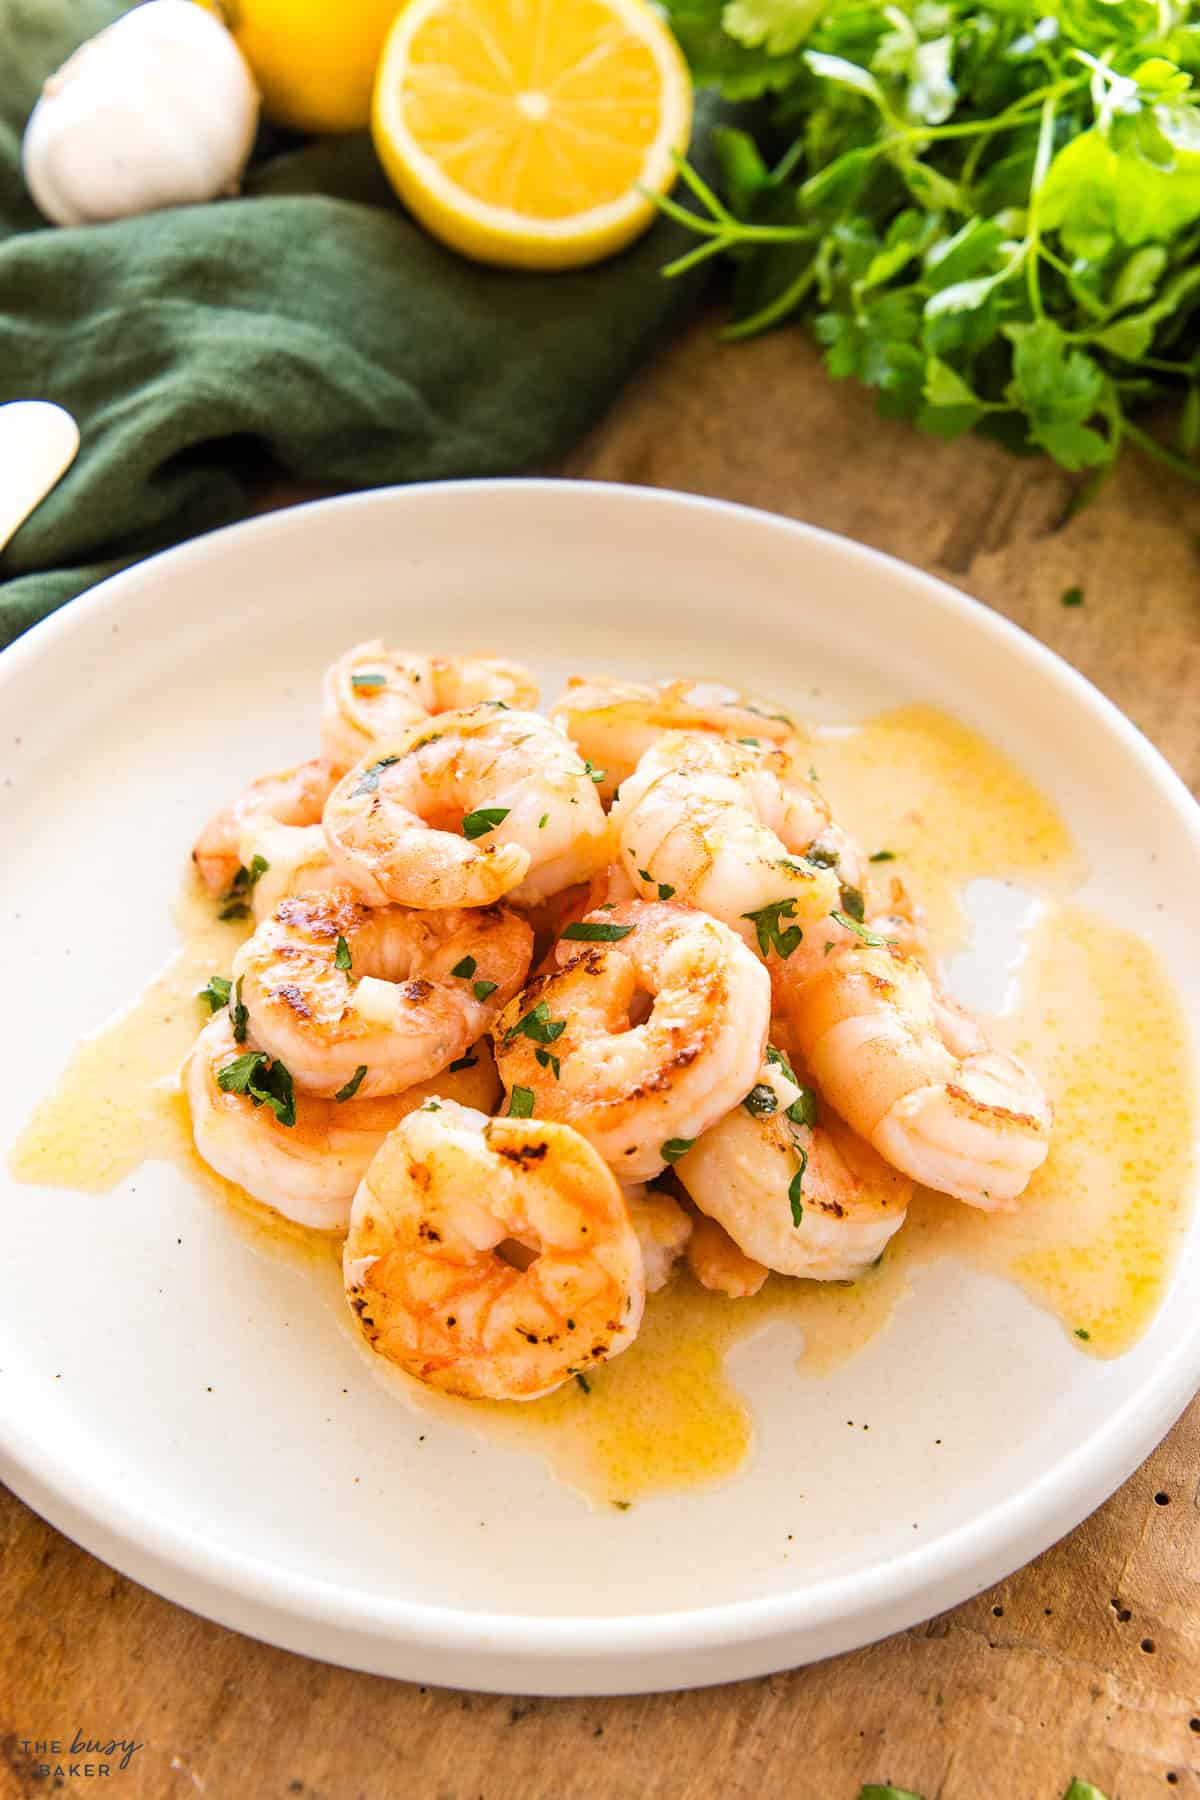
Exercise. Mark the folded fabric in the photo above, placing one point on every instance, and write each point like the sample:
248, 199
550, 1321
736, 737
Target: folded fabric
311, 317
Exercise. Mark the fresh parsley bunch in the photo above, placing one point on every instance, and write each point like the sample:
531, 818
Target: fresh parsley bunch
990, 212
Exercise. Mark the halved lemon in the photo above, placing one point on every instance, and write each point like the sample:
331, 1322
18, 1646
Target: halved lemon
520, 131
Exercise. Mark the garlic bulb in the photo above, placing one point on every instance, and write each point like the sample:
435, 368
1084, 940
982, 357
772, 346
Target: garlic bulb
158, 110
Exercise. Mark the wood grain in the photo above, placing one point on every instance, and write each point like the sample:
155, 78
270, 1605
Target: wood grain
1085, 1663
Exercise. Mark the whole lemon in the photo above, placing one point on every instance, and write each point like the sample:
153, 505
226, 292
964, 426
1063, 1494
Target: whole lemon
314, 60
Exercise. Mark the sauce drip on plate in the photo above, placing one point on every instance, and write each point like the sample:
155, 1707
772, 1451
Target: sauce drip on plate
1093, 1240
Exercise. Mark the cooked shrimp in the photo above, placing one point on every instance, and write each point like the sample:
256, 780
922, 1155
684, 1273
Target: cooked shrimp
308, 1171
466, 808
662, 1228
910, 1070
292, 798
639, 1082
718, 1263
803, 1197
492, 1257
729, 828
340, 992
615, 722
372, 693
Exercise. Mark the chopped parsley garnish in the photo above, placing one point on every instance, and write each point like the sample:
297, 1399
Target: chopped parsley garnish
352, 1086
244, 881
543, 821
665, 890
1073, 597
368, 782
520, 1103
794, 1186
1081, 1333
216, 993
781, 1062
860, 931
341, 958
583, 1381
264, 1082
882, 856
763, 714
481, 989
463, 1062
431, 1105
767, 928
821, 856
803, 1110
597, 775
465, 969
538, 1025
544, 1058
812, 773
585, 931
853, 902
486, 818
674, 1148
370, 678
239, 1014
761, 1101
755, 741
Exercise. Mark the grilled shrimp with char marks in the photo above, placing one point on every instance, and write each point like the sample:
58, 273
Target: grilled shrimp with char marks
278, 817
373, 692
467, 808
909, 1068
615, 722
644, 1036
492, 1257
309, 1170
332, 986
803, 1197
732, 829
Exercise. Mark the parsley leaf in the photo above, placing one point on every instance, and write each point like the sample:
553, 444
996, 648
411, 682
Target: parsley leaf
239, 1014
546, 1061
520, 1103
1072, 596
464, 970
341, 959
481, 989
767, 928
795, 1185
597, 775
882, 856
486, 818
989, 215
264, 1082
803, 1110
586, 931
674, 1148
538, 1025
352, 1086
780, 1060
462, 1062
216, 993
860, 931
368, 781
366, 681
853, 903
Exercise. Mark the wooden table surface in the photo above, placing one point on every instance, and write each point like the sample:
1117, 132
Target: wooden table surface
1085, 1663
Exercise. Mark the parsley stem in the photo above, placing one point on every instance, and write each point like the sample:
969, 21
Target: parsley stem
775, 310
1152, 448
1041, 163
701, 189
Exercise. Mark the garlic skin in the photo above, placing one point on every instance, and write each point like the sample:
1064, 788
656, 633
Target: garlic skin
160, 109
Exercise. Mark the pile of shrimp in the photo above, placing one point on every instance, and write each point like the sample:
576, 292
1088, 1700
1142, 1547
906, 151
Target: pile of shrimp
535, 1006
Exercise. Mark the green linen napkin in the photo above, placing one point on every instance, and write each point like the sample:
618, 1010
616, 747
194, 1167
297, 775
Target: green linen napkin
311, 316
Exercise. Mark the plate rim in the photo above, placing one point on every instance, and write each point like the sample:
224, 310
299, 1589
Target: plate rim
925, 1579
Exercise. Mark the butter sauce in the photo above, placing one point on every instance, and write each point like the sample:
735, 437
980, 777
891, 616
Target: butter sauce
1093, 1240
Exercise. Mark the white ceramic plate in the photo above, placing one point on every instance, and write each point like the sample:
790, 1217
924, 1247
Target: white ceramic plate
125, 719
